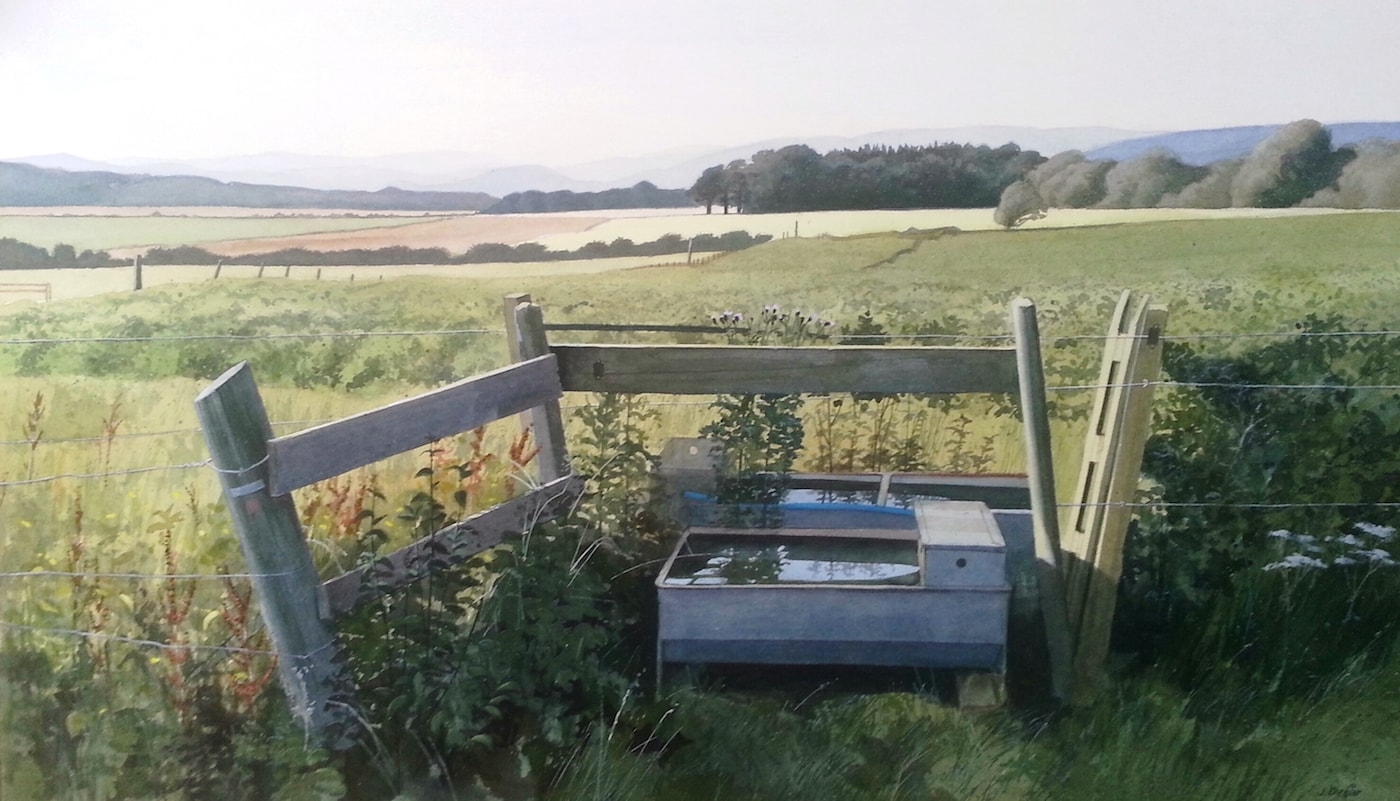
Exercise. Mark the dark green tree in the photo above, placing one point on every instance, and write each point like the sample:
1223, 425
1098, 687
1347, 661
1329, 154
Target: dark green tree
710, 187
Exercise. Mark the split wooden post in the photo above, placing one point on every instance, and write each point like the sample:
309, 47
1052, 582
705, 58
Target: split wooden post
236, 429
1030, 374
1096, 525
527, 340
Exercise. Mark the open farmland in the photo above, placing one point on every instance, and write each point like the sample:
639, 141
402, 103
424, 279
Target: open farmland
161, 229
1217, 276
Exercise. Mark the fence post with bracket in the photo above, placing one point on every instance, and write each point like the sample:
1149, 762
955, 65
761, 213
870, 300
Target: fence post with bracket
317, 684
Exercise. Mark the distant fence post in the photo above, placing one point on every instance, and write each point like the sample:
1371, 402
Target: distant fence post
528, 340
1096, 524
236, 429
1030, 373
137, 266
218, 268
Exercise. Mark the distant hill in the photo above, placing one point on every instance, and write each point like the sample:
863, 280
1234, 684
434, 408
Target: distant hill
1199, 148
476, 172
27, 185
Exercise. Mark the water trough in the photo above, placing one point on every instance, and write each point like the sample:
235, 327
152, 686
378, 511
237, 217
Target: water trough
840, 584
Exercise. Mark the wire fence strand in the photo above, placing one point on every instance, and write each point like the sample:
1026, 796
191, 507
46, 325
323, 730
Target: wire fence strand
647, 328
156, 644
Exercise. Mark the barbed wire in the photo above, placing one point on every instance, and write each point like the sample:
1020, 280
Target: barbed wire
139, 435
1228, 505
1224, 385
143, 576
108, 474
164, 646
1045, 336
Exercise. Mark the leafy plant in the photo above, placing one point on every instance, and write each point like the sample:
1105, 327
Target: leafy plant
1238, 456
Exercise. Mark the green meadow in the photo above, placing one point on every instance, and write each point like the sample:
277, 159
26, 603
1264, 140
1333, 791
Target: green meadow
88, 407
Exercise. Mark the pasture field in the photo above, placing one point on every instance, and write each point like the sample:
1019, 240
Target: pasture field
75, 408
232, 232
125, 232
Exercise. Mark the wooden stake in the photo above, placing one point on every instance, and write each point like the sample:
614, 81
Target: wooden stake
1040, 467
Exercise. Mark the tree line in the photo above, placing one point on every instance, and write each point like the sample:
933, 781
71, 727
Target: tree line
797, 178
484, 253
1297, 166
17, 255
644, 195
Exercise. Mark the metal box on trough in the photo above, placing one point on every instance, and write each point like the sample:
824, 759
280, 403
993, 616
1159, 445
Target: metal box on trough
845, 594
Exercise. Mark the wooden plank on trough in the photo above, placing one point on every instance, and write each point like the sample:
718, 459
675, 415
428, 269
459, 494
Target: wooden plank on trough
735, 369
328, 450
459, 542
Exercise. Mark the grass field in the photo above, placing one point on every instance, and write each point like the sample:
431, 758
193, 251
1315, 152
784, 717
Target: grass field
233, 232
1257, 274
119, 232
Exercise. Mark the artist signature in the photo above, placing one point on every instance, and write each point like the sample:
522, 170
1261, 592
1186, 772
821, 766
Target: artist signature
1350, 791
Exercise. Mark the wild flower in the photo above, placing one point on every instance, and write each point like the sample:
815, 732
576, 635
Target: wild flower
1382, 533
1347, 553
1296, 561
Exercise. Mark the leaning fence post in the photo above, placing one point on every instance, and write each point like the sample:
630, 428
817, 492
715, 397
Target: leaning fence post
1030, 374
236, 429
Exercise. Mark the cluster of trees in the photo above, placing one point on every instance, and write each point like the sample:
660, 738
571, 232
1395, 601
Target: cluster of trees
485, 253
797, 178
17, 255
1296, 166
644, 195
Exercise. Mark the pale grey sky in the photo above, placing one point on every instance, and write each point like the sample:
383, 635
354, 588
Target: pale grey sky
562, 81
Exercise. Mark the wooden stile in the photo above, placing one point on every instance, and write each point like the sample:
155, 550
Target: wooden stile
1096, 523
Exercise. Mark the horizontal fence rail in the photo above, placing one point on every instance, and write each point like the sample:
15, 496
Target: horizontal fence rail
738, 369
315, 454
462, 540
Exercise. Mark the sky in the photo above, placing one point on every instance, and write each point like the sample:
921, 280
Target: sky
567, 81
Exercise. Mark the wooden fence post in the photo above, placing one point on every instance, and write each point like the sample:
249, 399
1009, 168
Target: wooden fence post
1097, 524
1030, 374
137, 266
218, 268
236, 428
528, 340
